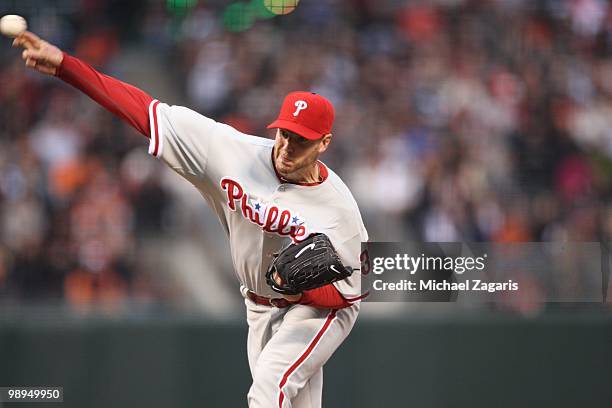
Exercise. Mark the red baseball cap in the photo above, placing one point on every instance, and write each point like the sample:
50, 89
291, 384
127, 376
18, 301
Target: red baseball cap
306, 113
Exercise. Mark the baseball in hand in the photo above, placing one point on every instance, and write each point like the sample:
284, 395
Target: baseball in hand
12, 25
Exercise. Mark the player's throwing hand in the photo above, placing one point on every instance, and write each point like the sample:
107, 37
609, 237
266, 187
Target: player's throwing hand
38, 54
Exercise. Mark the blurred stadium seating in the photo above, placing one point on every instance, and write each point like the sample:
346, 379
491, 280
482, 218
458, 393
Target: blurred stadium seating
456, 120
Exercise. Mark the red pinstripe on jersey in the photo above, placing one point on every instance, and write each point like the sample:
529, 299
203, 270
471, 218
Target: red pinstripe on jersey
304, 356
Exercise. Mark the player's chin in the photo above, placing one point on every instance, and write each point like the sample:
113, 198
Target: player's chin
285, 168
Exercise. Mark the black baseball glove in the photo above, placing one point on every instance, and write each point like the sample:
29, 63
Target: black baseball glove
307, 265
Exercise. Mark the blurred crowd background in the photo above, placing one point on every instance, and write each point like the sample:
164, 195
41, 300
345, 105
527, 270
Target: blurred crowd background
456, 120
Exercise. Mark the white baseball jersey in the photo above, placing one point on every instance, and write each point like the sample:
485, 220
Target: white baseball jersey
260, 213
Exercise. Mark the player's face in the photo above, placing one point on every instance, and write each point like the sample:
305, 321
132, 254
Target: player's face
295, 156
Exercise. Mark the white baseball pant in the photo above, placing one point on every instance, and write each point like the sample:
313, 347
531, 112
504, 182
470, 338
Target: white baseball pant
287, 348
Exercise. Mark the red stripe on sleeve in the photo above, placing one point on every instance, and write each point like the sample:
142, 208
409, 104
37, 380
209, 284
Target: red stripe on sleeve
325, 297
126, 101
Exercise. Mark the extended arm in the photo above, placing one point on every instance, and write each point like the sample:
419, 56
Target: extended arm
126, 101
132, 105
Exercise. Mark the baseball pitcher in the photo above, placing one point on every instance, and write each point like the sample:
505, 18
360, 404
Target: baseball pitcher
293, 226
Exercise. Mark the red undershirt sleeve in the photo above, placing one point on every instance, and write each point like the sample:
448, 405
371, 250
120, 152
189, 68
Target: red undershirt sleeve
126, 101
325, 297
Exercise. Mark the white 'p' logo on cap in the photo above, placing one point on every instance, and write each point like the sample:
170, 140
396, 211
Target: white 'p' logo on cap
300, 105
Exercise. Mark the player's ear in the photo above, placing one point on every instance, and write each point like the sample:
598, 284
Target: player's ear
324, 143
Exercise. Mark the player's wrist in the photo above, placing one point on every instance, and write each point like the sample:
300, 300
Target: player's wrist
62, 68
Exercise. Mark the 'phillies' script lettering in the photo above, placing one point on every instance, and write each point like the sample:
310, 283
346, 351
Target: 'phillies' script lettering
270, 217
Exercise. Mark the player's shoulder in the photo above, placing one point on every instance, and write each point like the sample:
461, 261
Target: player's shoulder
345, 203
336, 182
177, 114
340, 189
240, 137
187, 117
